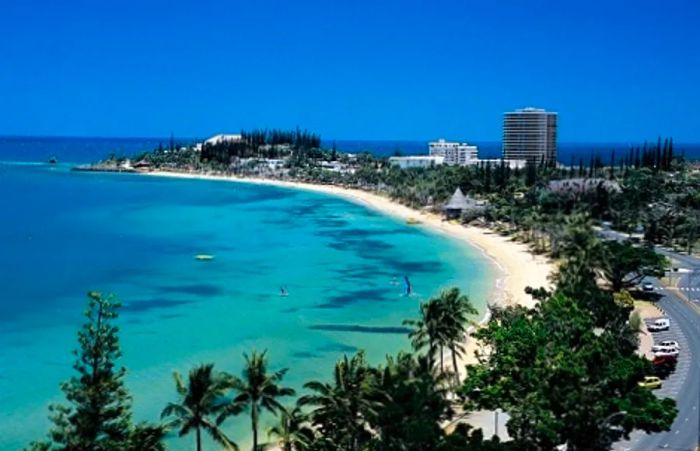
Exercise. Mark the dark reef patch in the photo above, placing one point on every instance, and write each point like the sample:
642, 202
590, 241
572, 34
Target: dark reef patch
427, 266
367, 248
330, 222
363, 329
350, 297
199, 289
337, 347
363, 272
170, 316
152, 304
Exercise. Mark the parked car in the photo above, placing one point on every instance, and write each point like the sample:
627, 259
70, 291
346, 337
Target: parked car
650, 382
660, 360
647, 286
666, 344
664, 349
667, 352
664, 366
659, 325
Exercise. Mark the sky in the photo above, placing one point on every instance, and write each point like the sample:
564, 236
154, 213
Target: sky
615, 71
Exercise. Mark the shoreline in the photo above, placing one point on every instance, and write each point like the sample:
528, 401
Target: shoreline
515, 265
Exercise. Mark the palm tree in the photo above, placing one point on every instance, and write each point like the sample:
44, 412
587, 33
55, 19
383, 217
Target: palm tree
293, 432
257, 390
199, 399
457, 308
343, 408
415, 404
428, 330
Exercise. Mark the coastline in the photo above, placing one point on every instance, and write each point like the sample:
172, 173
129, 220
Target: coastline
517, 267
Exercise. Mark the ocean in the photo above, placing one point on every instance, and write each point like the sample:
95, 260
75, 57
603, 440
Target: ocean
64, 233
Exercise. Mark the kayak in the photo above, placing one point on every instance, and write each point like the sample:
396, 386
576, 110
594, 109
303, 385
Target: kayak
204, 257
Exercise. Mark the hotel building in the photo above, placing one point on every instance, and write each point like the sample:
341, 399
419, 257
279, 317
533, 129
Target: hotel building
530, 134
454, 153
417, 161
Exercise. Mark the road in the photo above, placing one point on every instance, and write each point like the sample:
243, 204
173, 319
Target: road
683, 308
683, 386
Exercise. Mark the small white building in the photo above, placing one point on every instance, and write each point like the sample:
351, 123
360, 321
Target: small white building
337, 166
513, 164
218, 139
455, 153
417, 161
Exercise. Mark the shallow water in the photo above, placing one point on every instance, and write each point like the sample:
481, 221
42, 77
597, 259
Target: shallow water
63, 234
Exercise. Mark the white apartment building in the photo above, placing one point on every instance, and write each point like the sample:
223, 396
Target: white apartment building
454, 153
417, 161
513, 164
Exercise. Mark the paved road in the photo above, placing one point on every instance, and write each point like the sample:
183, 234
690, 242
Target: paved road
683, 385
682, 306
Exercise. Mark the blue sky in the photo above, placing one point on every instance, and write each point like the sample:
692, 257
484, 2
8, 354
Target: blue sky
614, 70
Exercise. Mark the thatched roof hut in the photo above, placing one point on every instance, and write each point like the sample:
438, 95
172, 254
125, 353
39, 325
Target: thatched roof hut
458, 201
456, 205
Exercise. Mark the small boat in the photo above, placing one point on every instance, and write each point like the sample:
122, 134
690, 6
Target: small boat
412, 221
204, 257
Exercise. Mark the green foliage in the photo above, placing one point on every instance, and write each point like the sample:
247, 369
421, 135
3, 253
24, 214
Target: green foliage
299, 144
98, 413
443, 325
293, 432
257, 390
412, 407
559, 376
344, 407
200, 402
635, 321
624, 264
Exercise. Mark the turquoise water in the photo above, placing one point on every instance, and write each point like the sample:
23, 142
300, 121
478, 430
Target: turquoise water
63, 234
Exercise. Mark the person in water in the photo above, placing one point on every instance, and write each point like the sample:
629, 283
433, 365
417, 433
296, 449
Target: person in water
283, 291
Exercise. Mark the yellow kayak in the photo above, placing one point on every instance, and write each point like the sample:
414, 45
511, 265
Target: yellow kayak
411, 221
204, 257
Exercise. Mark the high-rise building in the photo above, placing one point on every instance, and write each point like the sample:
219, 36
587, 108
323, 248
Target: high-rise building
530, 134
455, 153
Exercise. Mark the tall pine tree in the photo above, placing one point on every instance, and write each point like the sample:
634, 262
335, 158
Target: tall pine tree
97, 416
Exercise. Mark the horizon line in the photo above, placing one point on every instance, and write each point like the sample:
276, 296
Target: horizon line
331, 140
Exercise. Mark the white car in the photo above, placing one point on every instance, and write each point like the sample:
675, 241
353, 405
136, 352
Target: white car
671, 352
659, 325
666, 344
647, 286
